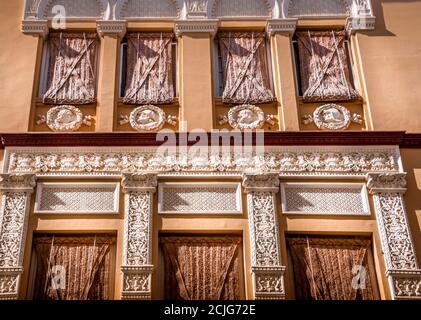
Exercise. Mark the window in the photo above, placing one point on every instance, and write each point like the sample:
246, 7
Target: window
69, 69
72, 267
241, 67
185, 259
148, 68
323, 66
332, 268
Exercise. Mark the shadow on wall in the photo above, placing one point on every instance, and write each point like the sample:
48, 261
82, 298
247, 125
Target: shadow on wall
381, 28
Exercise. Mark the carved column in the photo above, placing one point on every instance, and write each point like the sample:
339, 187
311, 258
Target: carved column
268, 273
16, 192
137, 265
402, 267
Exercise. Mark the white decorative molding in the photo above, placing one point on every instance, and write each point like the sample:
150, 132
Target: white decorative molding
246, 117
199, 198
332, 117
111, 27
77, 198
35, 27
16, 198
397, 242
134, 9
137, 253
264, 235
65, 118
353, 161
325, 198
241, 8
197, 9
137, 282
281, 25
268, 283
405, 284
196, 26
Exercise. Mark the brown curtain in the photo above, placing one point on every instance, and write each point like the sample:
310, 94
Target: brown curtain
201, 268
149, 68
71, 69
244, 66
325, 74
323, 268
86, 261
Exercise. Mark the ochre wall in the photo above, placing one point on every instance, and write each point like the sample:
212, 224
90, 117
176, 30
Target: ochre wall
388, 65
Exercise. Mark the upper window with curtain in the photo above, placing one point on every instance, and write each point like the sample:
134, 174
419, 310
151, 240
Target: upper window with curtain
324, 67
69, 69
243, 68
148, 68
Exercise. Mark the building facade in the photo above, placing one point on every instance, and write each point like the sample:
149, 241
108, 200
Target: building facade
210, 149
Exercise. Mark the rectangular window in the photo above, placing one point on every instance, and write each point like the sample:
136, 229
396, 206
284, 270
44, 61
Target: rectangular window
148, 68
242, 61
69, 69
186, 259
72, 267
332, 268
323, 66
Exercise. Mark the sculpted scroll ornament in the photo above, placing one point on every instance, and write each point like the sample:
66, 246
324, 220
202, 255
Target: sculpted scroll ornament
247, 117
148, 118
138, 251
64, 118
305, 163
332, 117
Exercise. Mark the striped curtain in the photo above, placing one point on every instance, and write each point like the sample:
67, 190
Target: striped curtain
244, 66
205, 268
325, 74
149, 69
72, 268
331, 268
71, 68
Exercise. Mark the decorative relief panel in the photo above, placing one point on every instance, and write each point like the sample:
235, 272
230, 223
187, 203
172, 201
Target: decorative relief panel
199, 198
149, 9
65, 118
332, 117
355, 161
137, 252
77, 198
16, 190
148, 118
264, 235
397, 243
247, 117
324, 198
76, 8
241, 8
299, 8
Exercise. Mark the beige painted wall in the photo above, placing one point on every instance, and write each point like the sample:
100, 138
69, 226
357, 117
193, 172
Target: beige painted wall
388, 61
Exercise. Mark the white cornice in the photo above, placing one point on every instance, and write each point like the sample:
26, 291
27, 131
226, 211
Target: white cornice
281, 25
196, 26
111, 27
35, 27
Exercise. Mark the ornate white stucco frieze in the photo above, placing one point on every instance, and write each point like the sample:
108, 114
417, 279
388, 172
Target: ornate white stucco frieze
137, 265
264, 235
16, 192
280, 14
288, 161
398, 246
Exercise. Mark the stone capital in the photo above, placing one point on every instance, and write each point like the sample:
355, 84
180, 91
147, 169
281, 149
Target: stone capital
196, 26
111, 27
405, 284
35, 27
386, 182
281, 26
11, 182
268, 182
139, 182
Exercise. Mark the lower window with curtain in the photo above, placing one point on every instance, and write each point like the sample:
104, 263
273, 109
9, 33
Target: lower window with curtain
72, 267
332, 268
201, 268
